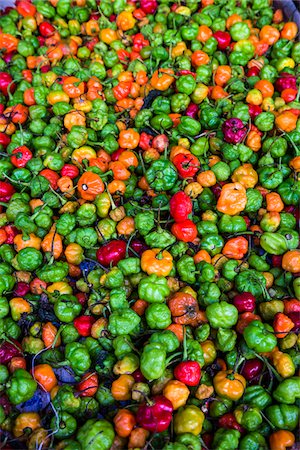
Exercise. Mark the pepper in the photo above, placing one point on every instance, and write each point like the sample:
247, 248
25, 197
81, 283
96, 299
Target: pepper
123, 322
284, 417
189, 419
260, 337
161, 175
21, 387
155, 416
153, 289
249, 417
226, 439
287, 391
222, 314
96, 432
158, 316
153, 352
166, 338
66, 308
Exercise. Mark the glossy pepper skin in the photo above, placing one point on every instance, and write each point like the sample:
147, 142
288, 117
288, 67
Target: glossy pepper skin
21, 387
260, 337
188, 372
155, 416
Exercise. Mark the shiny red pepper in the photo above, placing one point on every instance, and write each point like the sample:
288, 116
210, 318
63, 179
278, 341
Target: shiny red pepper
252, 368
46, 29
4, 139
244, 302
186, 165
83, 325
111, 253
20, 156
223, 38
156, 415
228, 421
5, 82
188, 372
69, 170
149, 6
6, 191
185, 231
180, 206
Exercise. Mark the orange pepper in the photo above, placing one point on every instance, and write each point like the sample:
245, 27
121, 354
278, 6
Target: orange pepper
162, 79
233, 199
44, 375
124, 422
88, 385
157, 261
235, 248
177, 392
49, 333
52, 243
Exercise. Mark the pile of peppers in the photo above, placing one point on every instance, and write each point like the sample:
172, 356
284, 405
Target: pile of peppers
149, 225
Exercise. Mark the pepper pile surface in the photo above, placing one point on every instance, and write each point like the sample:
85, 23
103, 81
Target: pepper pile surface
149, 192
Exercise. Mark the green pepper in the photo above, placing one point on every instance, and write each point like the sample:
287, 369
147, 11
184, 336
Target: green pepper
78, 357
144, 222
220, 406
160, 239
257, 396
253, 441
7, 283
178, 249
208, 293
274, 243
283, 417
57, 271
77, 137
114, 278
123, 321
9, 328
231, 224
21, 387
15, 207
161, 175
130, 266
153, 361
117, 299
226, 339
288, 391
65, 224
258, 263
29, 259
189, 440
153, 289
254, 200
166, 338
67, 307
86, 237
226, 439
64, 425
248, 416
122, 345
260, 337
194, 351
213, 243
250, 280
98, 433
264, 121
222, 314
186, 269
289, 191
158, 316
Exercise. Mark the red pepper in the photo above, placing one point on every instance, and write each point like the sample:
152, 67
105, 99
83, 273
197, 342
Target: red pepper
223, 38
145, 141
21, 289
160, 142
6, 191
187, 165
51, 176
149, 6
123, 55
46, 29
186, 72
253, 72
138, 247
139, 42
156, 415
69, 170
41, 40
180, 206
20, 156
234, 130
228, 421
252, 368
185, 231
138, 376
11, 232
5, 81
4, 139
244, 302
25, 8
81, 297
111, 253
83, 325
8, 350
188, 372
285, 81
91, 44
116, 155
192, 110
